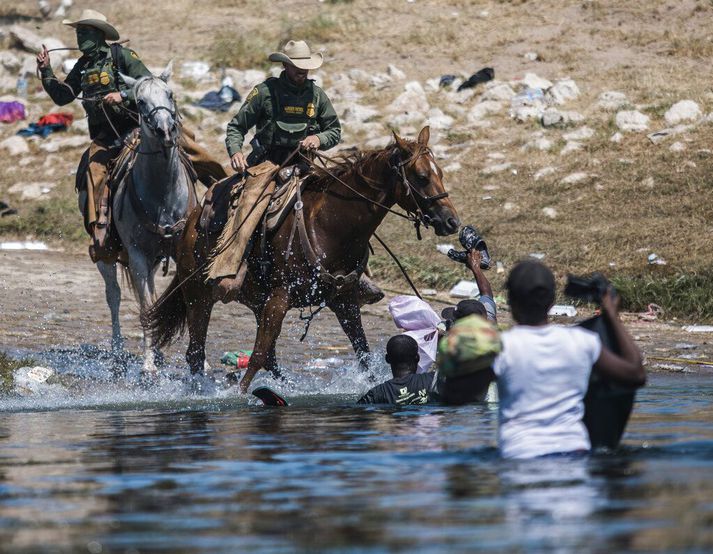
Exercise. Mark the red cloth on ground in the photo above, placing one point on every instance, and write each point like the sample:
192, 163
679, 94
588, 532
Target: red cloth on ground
59, 118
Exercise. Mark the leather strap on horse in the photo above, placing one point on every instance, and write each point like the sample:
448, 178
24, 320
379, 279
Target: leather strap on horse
203, 266
338, 282
164, 231
299, 219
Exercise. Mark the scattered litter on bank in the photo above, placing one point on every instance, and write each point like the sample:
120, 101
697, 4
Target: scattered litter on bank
653, 311
563, 310
6, 210
698, 328
238, 358
465, 289
47, 124
481, 76
10, 112
27, 245
655, 259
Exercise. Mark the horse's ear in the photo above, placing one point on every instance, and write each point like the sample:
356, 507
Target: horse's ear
166, 73
424, 135
130, 81
401, 143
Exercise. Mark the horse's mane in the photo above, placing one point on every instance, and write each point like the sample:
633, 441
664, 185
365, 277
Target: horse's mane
351, 163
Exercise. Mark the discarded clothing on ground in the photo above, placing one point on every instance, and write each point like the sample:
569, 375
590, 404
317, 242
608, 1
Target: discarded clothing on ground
5, 209
47, 124
446, 80
11, 112
483, 76
221, 100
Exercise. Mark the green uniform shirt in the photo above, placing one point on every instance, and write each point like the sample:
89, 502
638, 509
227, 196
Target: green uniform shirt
283, 114
94, 77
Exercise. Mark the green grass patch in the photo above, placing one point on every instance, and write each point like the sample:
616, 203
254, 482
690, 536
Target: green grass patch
687, 296
423, 272
8, 365
56, 219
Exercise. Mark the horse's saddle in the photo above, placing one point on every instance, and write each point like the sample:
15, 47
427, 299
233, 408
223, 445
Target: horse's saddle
285, 196
223, 197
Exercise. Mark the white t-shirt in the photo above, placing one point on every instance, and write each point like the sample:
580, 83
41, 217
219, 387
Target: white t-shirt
543, 375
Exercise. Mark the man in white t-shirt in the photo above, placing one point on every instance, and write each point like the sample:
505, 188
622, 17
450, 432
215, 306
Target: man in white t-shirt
543, 371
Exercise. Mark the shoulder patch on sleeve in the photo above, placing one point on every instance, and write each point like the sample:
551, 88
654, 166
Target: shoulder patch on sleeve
133, 54
253, 94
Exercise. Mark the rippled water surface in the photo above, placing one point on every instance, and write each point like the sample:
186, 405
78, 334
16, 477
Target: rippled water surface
128, 473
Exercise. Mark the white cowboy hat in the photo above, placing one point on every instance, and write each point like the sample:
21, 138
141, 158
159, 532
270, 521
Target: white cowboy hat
93, 18
298, 53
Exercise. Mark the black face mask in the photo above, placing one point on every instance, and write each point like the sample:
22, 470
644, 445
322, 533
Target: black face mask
89, 39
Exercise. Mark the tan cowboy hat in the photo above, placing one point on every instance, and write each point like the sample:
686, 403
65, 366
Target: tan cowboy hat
95, 19
298, 53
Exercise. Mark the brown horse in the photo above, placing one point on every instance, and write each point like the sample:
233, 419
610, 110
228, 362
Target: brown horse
339, 214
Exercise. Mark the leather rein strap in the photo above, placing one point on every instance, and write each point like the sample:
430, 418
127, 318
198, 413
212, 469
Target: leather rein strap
338, 282
165, 232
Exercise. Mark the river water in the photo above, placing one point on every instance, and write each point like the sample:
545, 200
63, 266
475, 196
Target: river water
94, 467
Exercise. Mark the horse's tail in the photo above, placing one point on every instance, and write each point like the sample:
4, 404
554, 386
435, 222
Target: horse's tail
165, 320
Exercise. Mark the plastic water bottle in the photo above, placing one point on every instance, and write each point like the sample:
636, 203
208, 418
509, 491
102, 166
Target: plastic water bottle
528, 97
22, 86
226, 89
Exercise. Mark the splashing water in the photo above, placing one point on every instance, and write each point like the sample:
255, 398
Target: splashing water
83, 378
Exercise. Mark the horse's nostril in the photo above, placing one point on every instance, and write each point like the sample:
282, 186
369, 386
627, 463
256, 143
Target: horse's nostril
453, 223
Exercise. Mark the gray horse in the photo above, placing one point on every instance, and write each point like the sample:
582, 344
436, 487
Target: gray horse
151, 203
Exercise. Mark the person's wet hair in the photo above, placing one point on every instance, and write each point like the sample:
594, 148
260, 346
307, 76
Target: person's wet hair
402, 350
531, 292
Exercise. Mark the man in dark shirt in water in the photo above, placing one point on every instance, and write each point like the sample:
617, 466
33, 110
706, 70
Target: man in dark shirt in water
465, 358
407, 386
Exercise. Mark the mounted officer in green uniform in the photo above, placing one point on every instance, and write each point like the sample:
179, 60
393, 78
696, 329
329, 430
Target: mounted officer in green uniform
286, 111
110, 107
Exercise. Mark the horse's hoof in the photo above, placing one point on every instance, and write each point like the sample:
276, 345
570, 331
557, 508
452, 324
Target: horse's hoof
148, 379
118, 369
119, 363
159, 359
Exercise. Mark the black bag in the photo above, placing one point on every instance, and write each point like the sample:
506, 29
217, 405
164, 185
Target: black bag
607, 405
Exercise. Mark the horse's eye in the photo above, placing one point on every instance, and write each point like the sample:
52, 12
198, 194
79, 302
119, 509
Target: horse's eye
140, 102
423, 178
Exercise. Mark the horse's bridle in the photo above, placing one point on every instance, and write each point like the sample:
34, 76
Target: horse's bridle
149, 117
398, 166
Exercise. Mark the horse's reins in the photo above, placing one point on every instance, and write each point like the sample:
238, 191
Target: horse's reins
323, 157
417, 219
